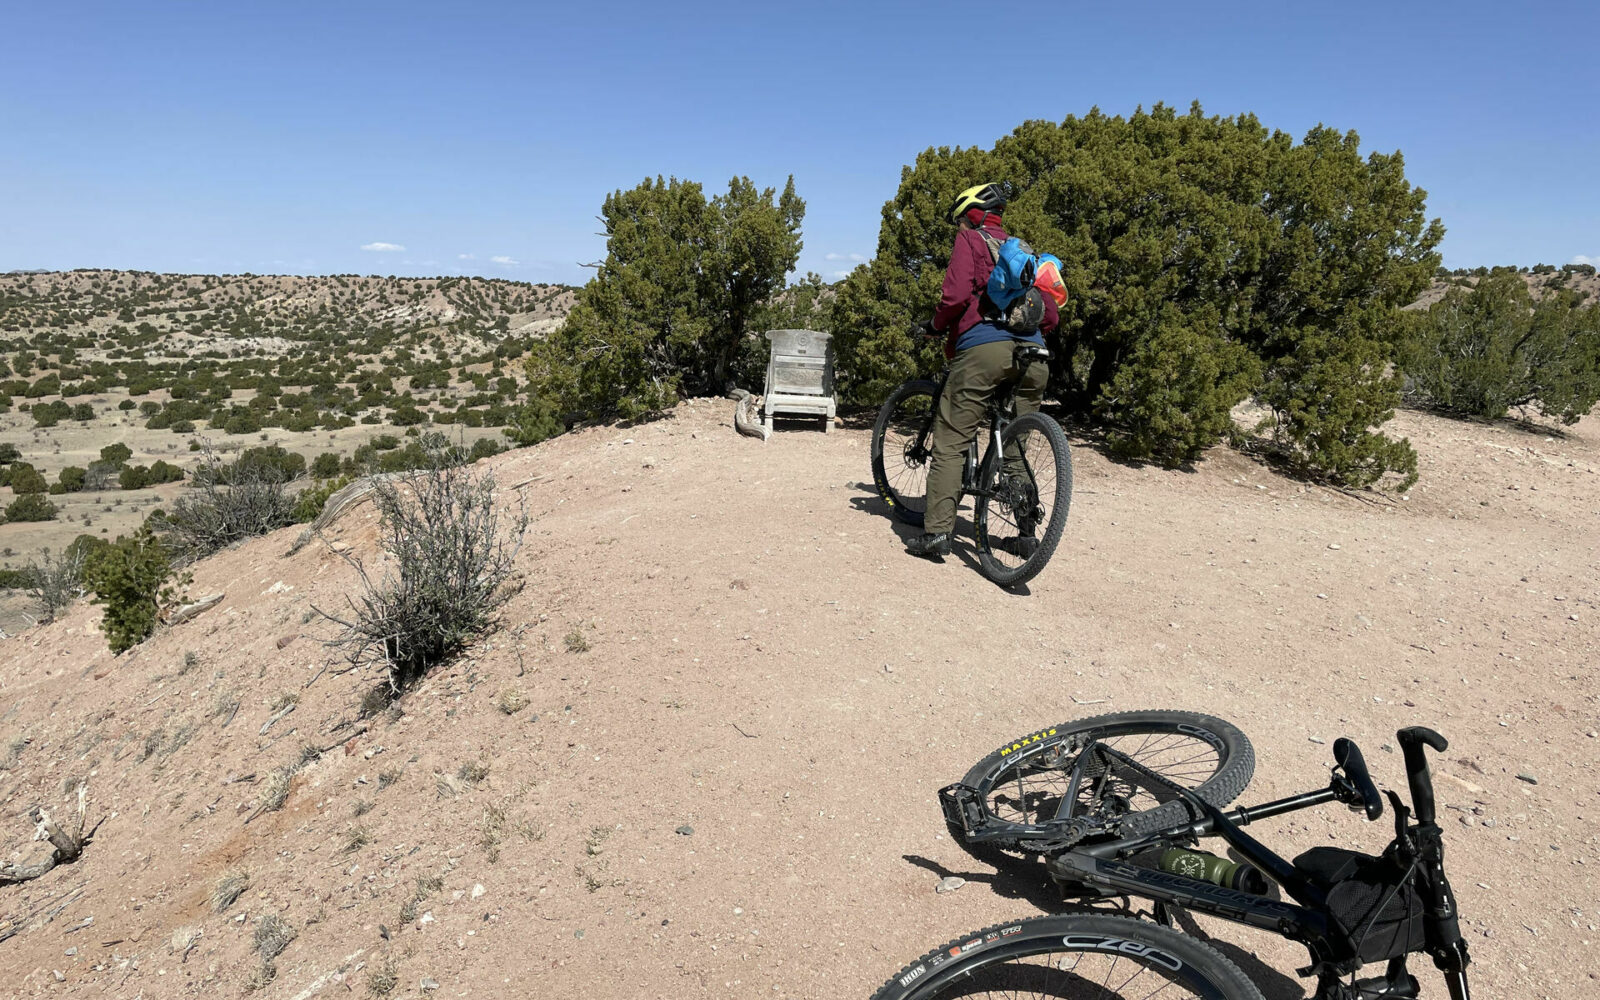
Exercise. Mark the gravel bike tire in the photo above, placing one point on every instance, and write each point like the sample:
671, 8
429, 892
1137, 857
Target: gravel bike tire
1170, 742
1072, 957
997, 521
900, 476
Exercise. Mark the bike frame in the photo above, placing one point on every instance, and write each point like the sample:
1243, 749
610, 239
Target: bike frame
1099, 865
1000, 408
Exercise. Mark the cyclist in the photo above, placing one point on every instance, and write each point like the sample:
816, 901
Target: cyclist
981, 359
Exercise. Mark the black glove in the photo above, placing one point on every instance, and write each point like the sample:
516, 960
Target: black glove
926, 329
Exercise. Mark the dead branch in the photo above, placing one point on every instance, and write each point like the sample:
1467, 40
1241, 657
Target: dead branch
188, 611
66, 844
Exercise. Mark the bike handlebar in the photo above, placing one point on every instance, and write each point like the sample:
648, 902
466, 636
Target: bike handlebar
1412, 741
1348, 756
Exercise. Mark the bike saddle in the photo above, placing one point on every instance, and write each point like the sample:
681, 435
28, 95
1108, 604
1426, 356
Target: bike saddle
1027, 354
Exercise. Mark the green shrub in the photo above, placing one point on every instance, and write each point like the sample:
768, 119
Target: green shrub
310, 501
1183, 237
669, 311
1482, 352
9, 453
31, 507
116, 454
128, 577
325, 465
72, 479
26, 479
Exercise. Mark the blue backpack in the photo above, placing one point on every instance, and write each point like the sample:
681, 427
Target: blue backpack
1011, 300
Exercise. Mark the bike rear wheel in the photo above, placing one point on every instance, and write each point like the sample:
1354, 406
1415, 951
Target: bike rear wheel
1026, 782
1023, 501
902, 444
1077, 957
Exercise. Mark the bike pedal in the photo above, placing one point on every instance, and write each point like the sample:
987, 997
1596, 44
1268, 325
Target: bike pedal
962, 806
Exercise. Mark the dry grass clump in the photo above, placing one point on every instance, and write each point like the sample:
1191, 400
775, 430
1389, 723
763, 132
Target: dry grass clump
492, 831
383, 977
361, 807
511, 701
575, 641
273, 934
389, 777
426, 886
283, 701
228, 889
274, 790
473, 771
355, 838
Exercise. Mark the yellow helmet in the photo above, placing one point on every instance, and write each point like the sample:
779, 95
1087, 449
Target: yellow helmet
987, 197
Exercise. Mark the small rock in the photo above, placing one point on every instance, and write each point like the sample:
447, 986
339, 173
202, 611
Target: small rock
426, 918
284, 640
427, 985
59, 977
1528, 777
685, 830
71, 952
578, 933
950, 883
1316, 739
478, 890
1333, 545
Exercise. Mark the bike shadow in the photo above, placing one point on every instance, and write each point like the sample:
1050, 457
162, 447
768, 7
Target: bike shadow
1028, 880
869, 502
1016, 882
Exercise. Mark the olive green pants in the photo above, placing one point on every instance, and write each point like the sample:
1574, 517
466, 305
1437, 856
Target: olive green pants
974, 376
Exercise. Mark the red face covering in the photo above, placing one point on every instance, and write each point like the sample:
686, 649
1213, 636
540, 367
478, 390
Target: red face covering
977, 216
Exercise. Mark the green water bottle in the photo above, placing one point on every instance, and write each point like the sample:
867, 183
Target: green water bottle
1210, 868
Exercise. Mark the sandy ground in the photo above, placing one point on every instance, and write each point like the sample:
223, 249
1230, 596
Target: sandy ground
731, 791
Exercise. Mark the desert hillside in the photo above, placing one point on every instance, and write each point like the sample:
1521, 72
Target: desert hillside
699, 757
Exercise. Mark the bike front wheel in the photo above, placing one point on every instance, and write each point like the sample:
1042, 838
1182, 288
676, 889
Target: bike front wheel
902, 446
1077, 957
1026, 491
1029, 782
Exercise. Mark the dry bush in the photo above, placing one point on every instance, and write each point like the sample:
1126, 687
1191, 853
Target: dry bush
451, 559
228, 505
355, 838
56, 581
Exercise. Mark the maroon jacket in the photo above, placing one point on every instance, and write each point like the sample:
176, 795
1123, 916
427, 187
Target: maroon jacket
964, 281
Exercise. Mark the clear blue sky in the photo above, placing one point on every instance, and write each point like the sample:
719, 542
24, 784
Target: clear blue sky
482, 137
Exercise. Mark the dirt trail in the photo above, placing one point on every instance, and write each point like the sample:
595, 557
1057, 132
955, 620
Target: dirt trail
731, 791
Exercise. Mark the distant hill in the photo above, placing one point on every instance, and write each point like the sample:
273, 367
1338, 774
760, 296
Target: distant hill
1541, 278
262, 313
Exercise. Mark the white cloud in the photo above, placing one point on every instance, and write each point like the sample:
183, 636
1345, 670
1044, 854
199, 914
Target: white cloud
1593, 261
839, 275
383, 247
503, 259
466, 256
854, 258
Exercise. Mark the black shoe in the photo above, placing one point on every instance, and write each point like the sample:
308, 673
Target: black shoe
930, 546
1023, 546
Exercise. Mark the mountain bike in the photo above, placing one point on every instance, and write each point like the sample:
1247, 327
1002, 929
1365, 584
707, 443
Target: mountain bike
1116, 805
1021, 488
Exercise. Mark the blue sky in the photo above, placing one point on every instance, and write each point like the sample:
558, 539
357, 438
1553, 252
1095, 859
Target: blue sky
482, 137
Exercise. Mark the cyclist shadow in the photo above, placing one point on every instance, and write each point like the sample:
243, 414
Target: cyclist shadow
869, 502
1028, 881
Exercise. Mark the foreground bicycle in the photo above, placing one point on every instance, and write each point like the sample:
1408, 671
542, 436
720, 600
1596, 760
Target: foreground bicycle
1022, 487
1115, 805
